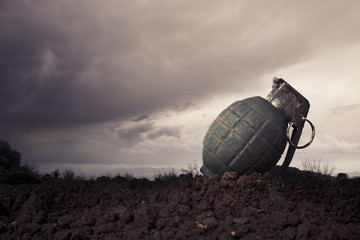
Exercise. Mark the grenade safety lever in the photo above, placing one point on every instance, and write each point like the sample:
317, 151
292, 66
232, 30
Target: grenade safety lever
296, 108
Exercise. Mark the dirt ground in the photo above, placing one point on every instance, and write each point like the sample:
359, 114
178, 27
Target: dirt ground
228, 207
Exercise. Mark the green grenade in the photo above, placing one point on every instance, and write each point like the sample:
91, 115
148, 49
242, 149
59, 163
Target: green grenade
250, 135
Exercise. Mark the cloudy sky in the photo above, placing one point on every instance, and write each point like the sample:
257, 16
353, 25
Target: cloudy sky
108, 86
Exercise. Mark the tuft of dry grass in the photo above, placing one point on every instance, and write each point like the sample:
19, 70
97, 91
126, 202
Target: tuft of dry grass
317, 166
192, 169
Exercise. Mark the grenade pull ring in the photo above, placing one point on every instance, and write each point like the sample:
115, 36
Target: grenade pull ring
291, 124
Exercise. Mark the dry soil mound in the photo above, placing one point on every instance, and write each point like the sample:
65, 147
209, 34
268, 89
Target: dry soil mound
229, 207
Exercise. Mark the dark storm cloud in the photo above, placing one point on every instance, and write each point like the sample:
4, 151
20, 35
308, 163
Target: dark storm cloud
57, 67
67, 64
140, 132
183, 107
173, 131
40, 68
141, 118
135, 134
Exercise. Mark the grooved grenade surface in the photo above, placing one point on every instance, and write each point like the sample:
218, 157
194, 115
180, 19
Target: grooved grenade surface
249, 135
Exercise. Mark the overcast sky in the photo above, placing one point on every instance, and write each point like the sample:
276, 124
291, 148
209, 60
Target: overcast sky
103, 86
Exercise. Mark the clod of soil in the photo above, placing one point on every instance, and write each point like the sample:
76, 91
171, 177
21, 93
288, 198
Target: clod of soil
228, 207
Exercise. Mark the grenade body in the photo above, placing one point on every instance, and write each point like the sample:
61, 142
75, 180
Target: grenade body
248, 136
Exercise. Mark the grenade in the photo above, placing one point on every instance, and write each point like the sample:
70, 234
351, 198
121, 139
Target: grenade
250, 135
